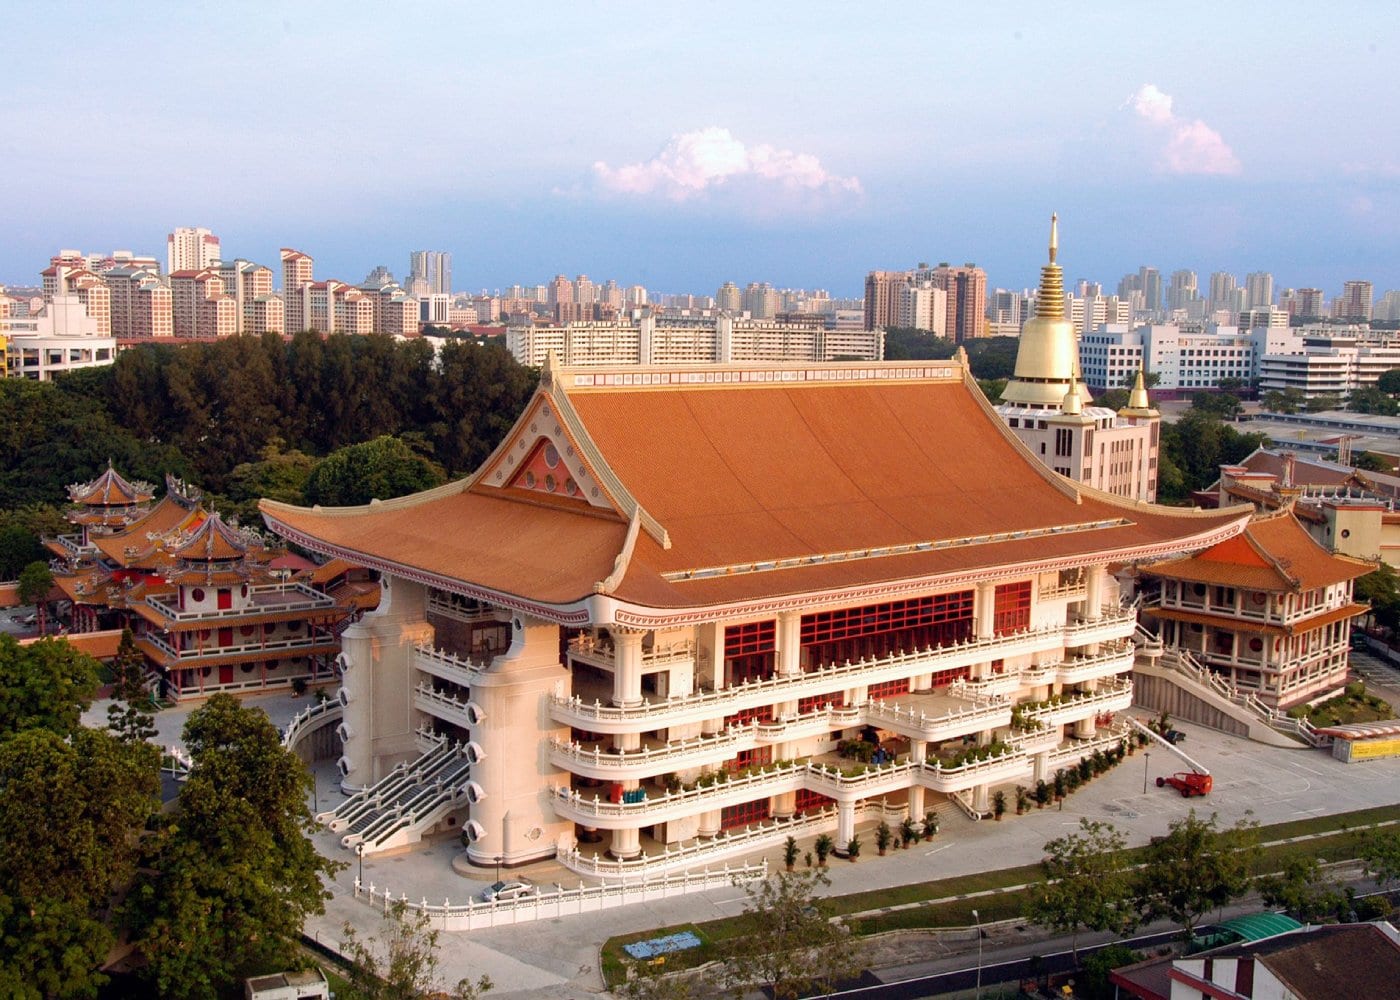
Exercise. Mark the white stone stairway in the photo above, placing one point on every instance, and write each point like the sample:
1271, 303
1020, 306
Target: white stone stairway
408, 801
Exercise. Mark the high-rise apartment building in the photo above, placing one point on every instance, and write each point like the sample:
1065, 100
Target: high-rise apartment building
296, 276
729, 298
141, 303
200, 307
923, 306
1355, 303
435, 267
1309, 303
1222, 290
246, 282
1150, 283
967, 299
1258, 290
1182, 290
190, 249
760, 300
882, 298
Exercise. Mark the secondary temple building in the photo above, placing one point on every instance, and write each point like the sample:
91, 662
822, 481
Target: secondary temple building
650, 621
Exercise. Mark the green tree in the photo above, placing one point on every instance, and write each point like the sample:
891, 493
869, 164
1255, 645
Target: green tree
129, 716
71, 811
1094, 982
1381, 589
19, 547
1195, 868
376, 470
1301, 889
1114, 399
1381, 854
1221, 405
35, 582
235, 874
1320, 403
791, 947
45, 685
1287, 401
909, 344
1370, 462
1369, 400
1087, 885
402, 963
1389, 382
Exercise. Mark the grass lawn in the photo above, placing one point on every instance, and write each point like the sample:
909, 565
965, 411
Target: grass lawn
1355, 705
953, 912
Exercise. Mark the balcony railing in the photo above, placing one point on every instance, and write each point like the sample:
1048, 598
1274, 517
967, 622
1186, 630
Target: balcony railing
439, 604
911, 721
310, 719
753, 693
305, 641
604, 654
596, 762
1078, 669
448, 666
1076, 706
444, 706
305, 599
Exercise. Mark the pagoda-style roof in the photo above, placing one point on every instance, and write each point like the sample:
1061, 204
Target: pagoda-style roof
141, 544
710, 486
215, 541
1274, 554
110, 489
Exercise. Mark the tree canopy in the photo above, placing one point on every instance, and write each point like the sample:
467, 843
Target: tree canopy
46, 685
234, 873
1195, 868
71, 811
1087, 885
375, 470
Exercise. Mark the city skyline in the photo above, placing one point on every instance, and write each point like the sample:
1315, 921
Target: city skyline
578, 143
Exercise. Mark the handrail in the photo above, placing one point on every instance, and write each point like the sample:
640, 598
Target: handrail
300, 725
312, 600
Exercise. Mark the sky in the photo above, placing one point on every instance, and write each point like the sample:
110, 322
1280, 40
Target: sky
683, 145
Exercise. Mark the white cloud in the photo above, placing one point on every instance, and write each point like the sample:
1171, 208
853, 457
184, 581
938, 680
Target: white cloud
693, 163
1192, 147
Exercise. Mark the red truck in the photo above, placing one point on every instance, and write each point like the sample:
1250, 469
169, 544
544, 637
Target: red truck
1189, 783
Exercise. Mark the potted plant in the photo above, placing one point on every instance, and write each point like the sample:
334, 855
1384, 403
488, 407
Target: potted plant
790, 853
907, 833
824, 846
807, 857
930, 824
1042, 794
999, 804
883, 836
853, 848
298, 686
1023, 799
1059, 784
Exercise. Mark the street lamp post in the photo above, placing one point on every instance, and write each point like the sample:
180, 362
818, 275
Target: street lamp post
978, 920
1146, 756
499, 859
360, 853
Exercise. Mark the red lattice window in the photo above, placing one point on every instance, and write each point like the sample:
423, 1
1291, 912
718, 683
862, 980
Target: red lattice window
1011, 611
887, 688
820, 701
891, 616
945, 677
749, 651
743, 814
751, 637
750, 758
760, 713
808, 800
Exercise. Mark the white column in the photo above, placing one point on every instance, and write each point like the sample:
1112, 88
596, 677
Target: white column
981, 798
985, 609
627, 666
1042, 767
709, 823
1093, 592
845, 825
916, 803
789, 642
626, 844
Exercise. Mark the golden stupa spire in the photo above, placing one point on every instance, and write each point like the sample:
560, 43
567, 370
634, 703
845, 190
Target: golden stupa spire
1137, 399
1050, 303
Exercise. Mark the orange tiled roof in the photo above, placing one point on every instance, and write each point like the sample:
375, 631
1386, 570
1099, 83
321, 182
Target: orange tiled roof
1274, 554
804, 482
167, 516
213, 541
110, 490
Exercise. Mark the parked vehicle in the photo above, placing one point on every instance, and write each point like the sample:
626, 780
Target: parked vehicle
1189, 783
514, 889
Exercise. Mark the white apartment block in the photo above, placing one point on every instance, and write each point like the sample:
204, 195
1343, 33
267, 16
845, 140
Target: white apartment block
922, 306
59, 338
191, 249
649, 341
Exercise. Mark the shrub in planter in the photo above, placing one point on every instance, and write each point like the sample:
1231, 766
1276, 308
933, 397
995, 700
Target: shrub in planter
299, 685
999, 804
1023, 799
824, 845
883, 836
1085, 769
1042, 794
907, 833
1060, 783
1073, 781
853, 848
790, 853
930, 824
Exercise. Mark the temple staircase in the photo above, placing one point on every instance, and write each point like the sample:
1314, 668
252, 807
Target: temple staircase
406, 803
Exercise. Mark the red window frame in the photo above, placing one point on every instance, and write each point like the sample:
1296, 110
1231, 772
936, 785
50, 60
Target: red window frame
891, 616
810, 800
818, 701
887, 688
743, 814
1011, 608
749, 638
749, 758
759, 713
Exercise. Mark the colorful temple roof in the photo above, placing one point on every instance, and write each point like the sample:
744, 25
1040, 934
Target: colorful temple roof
720, 485
1274, 554
110, 489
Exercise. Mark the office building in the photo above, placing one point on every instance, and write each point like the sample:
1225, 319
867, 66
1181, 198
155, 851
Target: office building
434, 267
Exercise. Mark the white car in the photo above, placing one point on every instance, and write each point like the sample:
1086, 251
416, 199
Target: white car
514, 889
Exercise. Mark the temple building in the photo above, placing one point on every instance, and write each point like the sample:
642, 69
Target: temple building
652, 630
211, 606
1048, 406
1268, 610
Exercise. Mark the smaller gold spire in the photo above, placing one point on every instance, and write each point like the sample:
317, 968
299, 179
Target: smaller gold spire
1050, 302
1073, 403
1054, 236
1137, 399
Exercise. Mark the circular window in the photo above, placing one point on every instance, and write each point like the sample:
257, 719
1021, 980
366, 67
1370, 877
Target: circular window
1199, 589
247, 668
550, 484
1258, 598
571, 487
197, 594
205, 671
551, 455
1256, 644
529, 480
246, 630
1346, 532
